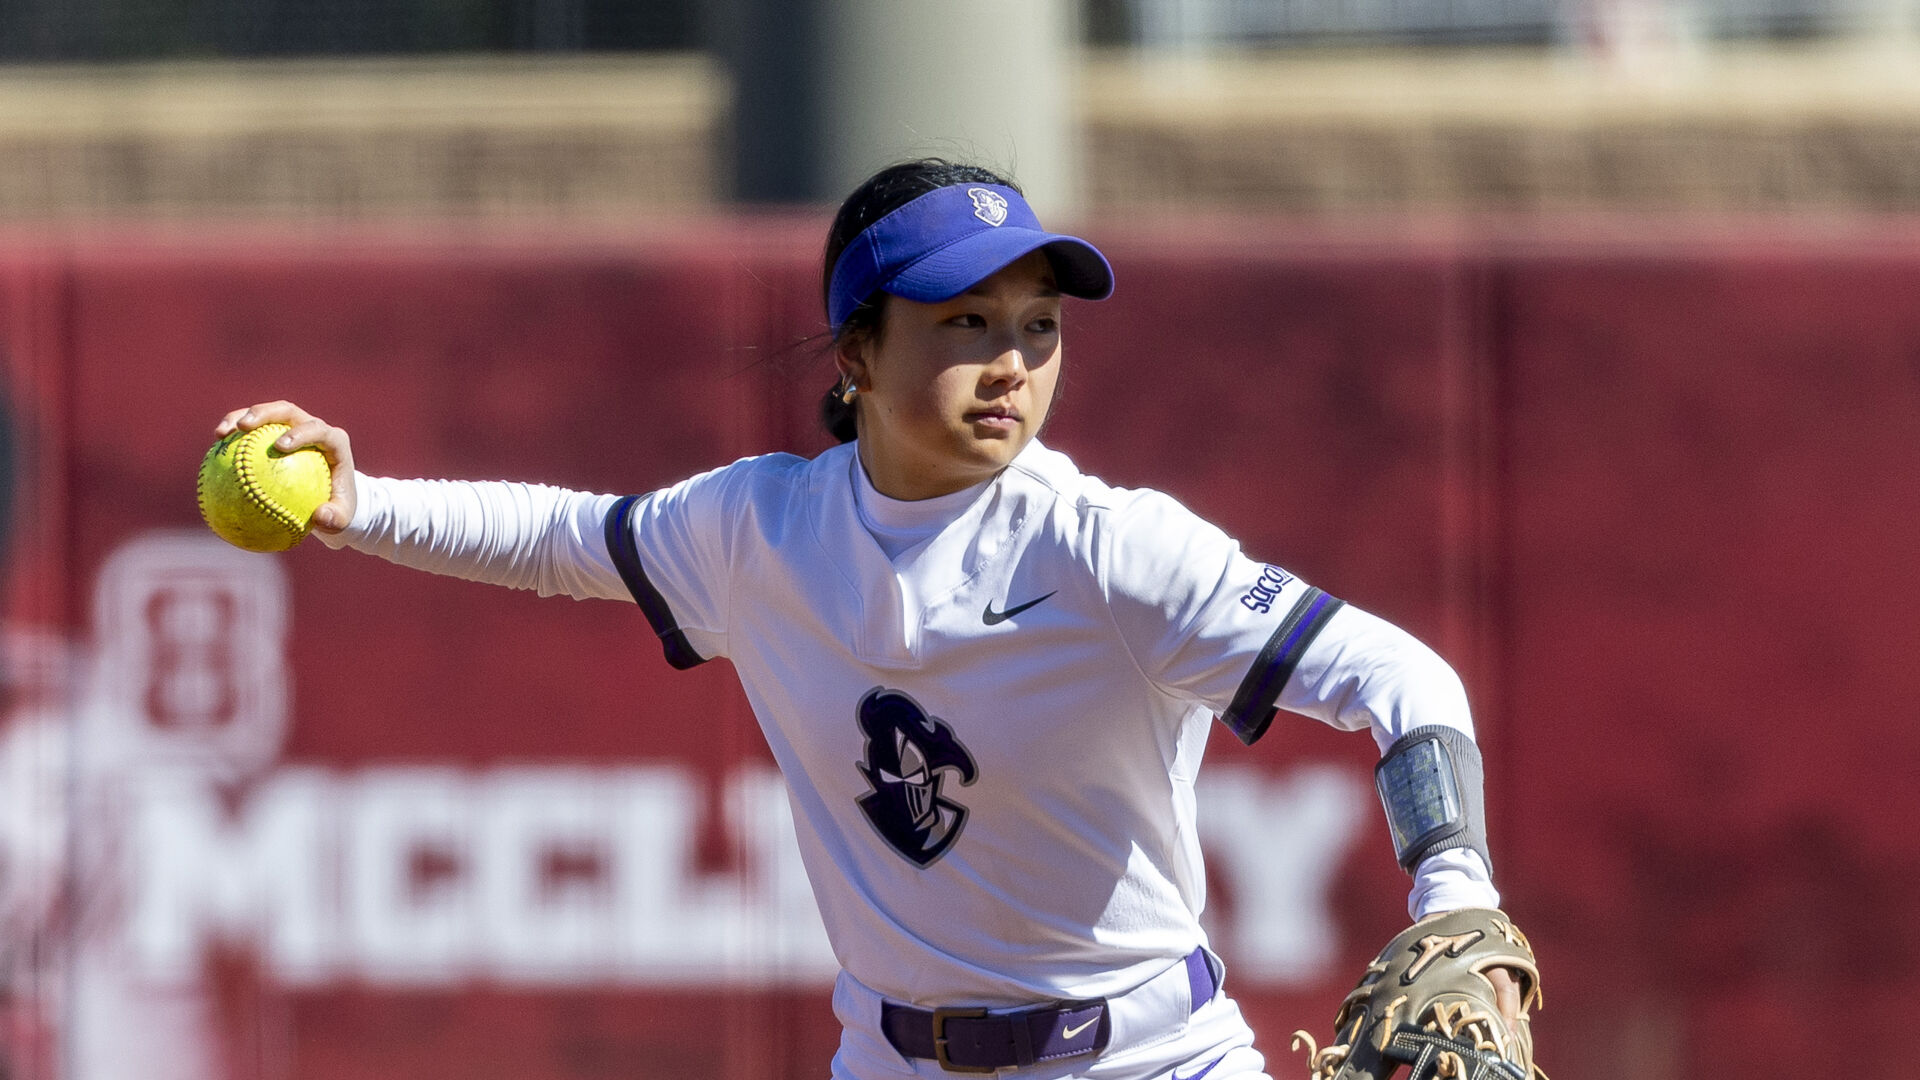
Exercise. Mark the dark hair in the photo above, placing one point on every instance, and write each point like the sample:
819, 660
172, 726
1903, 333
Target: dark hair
884, 192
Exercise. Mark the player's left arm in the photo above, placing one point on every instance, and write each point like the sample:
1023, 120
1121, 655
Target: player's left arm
1249, 640
1361, 671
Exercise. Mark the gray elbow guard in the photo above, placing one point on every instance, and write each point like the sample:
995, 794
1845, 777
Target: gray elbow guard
1431, 785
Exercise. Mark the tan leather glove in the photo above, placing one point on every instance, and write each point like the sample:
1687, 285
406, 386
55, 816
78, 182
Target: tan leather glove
1425, 1003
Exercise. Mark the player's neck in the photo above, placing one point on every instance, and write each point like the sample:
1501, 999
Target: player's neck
913, 480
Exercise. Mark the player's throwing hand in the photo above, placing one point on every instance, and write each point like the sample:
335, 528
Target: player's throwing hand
305, 429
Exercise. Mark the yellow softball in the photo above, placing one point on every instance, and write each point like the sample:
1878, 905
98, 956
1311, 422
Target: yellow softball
255, 497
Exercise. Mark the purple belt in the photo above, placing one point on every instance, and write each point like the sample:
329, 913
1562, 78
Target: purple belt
976, 1041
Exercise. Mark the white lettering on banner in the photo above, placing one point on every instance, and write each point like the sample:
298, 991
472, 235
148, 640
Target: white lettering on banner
198, 877
1280, 843
190, 669
526, 876
576, 875
408, 861
543, 853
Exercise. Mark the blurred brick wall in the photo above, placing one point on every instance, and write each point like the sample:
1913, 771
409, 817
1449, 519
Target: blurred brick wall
576, 137
1740, 129
1744, 129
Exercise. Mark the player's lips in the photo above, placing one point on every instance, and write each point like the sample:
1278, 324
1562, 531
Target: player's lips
1000, 417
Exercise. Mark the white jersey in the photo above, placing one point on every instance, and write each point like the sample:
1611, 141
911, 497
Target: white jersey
991, 740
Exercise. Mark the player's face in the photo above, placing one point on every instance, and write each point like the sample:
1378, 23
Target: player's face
950, 392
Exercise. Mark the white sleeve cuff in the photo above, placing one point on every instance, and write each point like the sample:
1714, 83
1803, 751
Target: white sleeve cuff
373, 499
1450, 880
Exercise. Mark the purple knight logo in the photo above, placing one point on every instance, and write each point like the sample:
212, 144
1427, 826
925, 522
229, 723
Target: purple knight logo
908, 753
988, 206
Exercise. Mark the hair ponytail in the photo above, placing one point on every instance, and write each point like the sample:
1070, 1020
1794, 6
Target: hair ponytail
840, 417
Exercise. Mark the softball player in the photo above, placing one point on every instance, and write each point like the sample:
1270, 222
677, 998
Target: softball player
987, 677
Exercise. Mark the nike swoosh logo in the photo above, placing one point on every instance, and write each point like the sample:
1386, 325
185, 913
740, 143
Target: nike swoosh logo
1068, 1033
995, 618
1202, 1072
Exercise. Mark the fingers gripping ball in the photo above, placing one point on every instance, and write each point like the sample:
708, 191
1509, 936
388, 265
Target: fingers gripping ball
256, 497
1425, 1005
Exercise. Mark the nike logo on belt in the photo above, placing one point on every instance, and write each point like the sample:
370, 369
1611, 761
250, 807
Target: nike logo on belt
1068, 1033
995, 618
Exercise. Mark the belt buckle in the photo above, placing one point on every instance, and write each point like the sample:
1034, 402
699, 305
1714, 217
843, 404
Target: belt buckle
940, 1018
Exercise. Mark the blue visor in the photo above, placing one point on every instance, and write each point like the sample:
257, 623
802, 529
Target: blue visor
951, 239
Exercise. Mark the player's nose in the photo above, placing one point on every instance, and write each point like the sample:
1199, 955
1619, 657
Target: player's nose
1009, 365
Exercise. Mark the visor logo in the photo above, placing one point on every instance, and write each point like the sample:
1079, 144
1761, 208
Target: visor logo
989, 206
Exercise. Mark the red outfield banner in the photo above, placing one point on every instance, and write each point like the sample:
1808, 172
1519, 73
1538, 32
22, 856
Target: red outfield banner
313, 816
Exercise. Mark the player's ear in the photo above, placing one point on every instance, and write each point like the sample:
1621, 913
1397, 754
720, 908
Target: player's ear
851, 354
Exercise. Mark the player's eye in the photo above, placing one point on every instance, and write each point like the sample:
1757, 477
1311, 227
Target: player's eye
968, 321
1045, 324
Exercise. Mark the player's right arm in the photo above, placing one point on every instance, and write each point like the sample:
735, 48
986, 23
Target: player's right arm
526, 536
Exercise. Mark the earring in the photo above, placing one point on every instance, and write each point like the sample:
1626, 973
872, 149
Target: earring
849, 391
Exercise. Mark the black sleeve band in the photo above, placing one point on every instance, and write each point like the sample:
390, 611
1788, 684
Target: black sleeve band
1253, 709
626, 559
1431, 784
